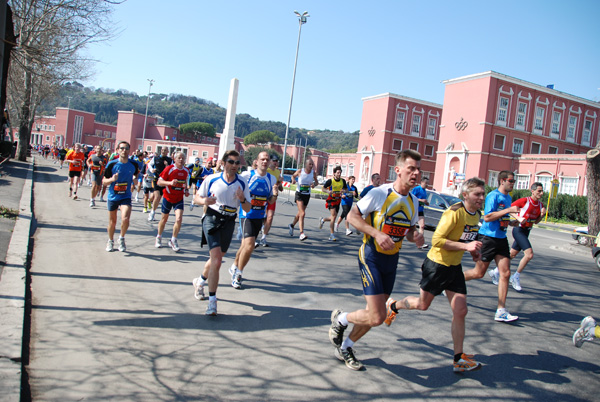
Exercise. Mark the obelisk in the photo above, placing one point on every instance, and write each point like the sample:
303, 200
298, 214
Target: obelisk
227, 138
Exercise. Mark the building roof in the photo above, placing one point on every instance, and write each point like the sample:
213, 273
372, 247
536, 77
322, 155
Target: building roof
401, 97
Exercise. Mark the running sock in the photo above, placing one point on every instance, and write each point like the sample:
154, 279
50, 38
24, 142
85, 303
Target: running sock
516, 275
203, 278
393, 307
121, 237
264, 236
173, 239
343, 319
347, 344
159, 236
457, 356
212, 296
597, 331
235, 267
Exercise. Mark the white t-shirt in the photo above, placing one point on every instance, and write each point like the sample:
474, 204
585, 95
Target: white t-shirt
225, 193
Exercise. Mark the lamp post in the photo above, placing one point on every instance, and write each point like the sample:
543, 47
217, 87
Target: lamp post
146, 118
302, 20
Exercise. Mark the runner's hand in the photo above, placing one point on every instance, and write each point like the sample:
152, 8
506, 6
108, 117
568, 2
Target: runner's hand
384, 241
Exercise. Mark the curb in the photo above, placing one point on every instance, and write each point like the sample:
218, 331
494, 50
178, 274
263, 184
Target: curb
12, 296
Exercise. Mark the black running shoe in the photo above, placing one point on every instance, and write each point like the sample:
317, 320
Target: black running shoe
336, 331
347, 356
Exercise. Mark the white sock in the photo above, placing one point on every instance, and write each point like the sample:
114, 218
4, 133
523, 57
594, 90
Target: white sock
516, 275
212, 298
347, 344
500, 310
235, 268
343, 319
173, 239
264, 236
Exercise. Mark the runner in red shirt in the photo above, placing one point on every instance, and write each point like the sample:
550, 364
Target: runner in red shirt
531, 212
75, 160
174, 178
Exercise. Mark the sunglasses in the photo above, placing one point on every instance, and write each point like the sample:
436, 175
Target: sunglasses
511, 181
125, 149
232, 162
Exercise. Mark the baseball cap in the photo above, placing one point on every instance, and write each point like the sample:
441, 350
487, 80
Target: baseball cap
275, 158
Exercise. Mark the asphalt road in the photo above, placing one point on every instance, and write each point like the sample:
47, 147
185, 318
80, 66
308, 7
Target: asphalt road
125, 326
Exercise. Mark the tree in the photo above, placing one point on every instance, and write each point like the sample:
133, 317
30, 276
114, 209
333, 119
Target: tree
593, 190
261, 137
198, 128
51, 37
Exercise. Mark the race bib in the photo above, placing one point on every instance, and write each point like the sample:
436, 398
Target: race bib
396, 229
336, 194
227, 210
94, 167
179, 186
258, 202
469, 234
121, 188
504, 221
304, 189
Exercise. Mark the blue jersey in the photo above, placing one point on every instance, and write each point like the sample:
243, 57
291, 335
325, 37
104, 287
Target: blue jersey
421, 194
349, 198
261, 189
496, 201
121, 188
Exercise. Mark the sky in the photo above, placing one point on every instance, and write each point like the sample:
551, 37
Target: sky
348, 50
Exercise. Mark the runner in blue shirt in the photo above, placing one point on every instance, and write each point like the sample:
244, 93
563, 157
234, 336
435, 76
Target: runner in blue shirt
348, 197
421, 193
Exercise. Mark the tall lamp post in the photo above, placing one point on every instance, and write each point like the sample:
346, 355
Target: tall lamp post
146, 118
302, 20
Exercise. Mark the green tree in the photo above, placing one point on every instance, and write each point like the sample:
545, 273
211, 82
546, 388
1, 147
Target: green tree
261, 137
198, 128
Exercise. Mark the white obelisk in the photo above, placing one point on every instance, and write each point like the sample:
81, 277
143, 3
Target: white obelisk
227, 138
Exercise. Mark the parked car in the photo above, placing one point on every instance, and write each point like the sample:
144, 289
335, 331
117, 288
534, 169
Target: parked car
438, 203
577, 235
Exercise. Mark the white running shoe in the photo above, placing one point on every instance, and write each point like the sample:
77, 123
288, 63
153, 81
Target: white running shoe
199, 284
585, 333
173, 244
158, 242
101, 199
336, 227
494, 275
321, 222
110, 246
191, 206
332, 237
92, 203
516, 282
263, 242
151, 216
232, 270
122, 246
137, 199
211, 309
505, 316
291, 230
302, 237
236, 282
348, 232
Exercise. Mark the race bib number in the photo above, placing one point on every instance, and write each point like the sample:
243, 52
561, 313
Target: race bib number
304, 189
258, 202
227, 210
179, 186
336, 194
469, 234
95, 168
504, 221
121, 188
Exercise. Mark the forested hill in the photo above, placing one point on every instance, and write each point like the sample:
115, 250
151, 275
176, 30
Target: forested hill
180, 109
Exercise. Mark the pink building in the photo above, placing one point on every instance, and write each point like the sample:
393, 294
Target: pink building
494, 122
391, 123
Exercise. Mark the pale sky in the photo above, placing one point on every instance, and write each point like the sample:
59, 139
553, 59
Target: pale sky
349, 50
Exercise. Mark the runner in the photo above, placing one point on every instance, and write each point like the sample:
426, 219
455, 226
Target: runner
306, 179
587, 332
76, 160
157, 165
334, 187
274, 171
174, 179
532, 211
442, 269
62, 153
148, 187
138, 159
495, 244
96, 163
194, 180
421, 193
119, 193
263, 190
375, 182
391, 215
223, 193
347, 201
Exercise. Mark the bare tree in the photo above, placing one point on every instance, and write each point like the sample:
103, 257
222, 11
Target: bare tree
593, 190
51, 38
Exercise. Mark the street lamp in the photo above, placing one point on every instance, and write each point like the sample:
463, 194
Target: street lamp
302, 20
146, 118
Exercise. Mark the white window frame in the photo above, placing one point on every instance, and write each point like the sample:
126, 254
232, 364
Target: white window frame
410, 146
204, 154
568, 185
399, 127
330, 169
432, 150
195, 152
556, 120
539, 148
416, 124
351, 169
431, 127
394, 141
503, 142
521, 115
571, 128
344, 170
493, 178
518, 148
569, 151
587, 132
522, 181
502, 116
391, 173
550, 150
148, 148
546, 181
538, 126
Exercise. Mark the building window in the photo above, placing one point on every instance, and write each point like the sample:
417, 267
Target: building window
428, 150
539, 118
517, 146
536, 148
350, 170
149, 148
587, 131
569, 151
568, 185
204, 154
431, 127
521, 115
400, 121
545, 180
397, 145
502, 111
344, 170
391, 173
552, 150
47, 138
98, 133
556, 122
425, 175
522, 182
195, 153
414, 146
330, 169
416, 124
493, 178
499, 142
571, 128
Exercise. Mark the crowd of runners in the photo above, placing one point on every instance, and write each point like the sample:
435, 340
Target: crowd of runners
385, 215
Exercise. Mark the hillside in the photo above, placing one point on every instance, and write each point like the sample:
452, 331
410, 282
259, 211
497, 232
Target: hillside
179, 109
